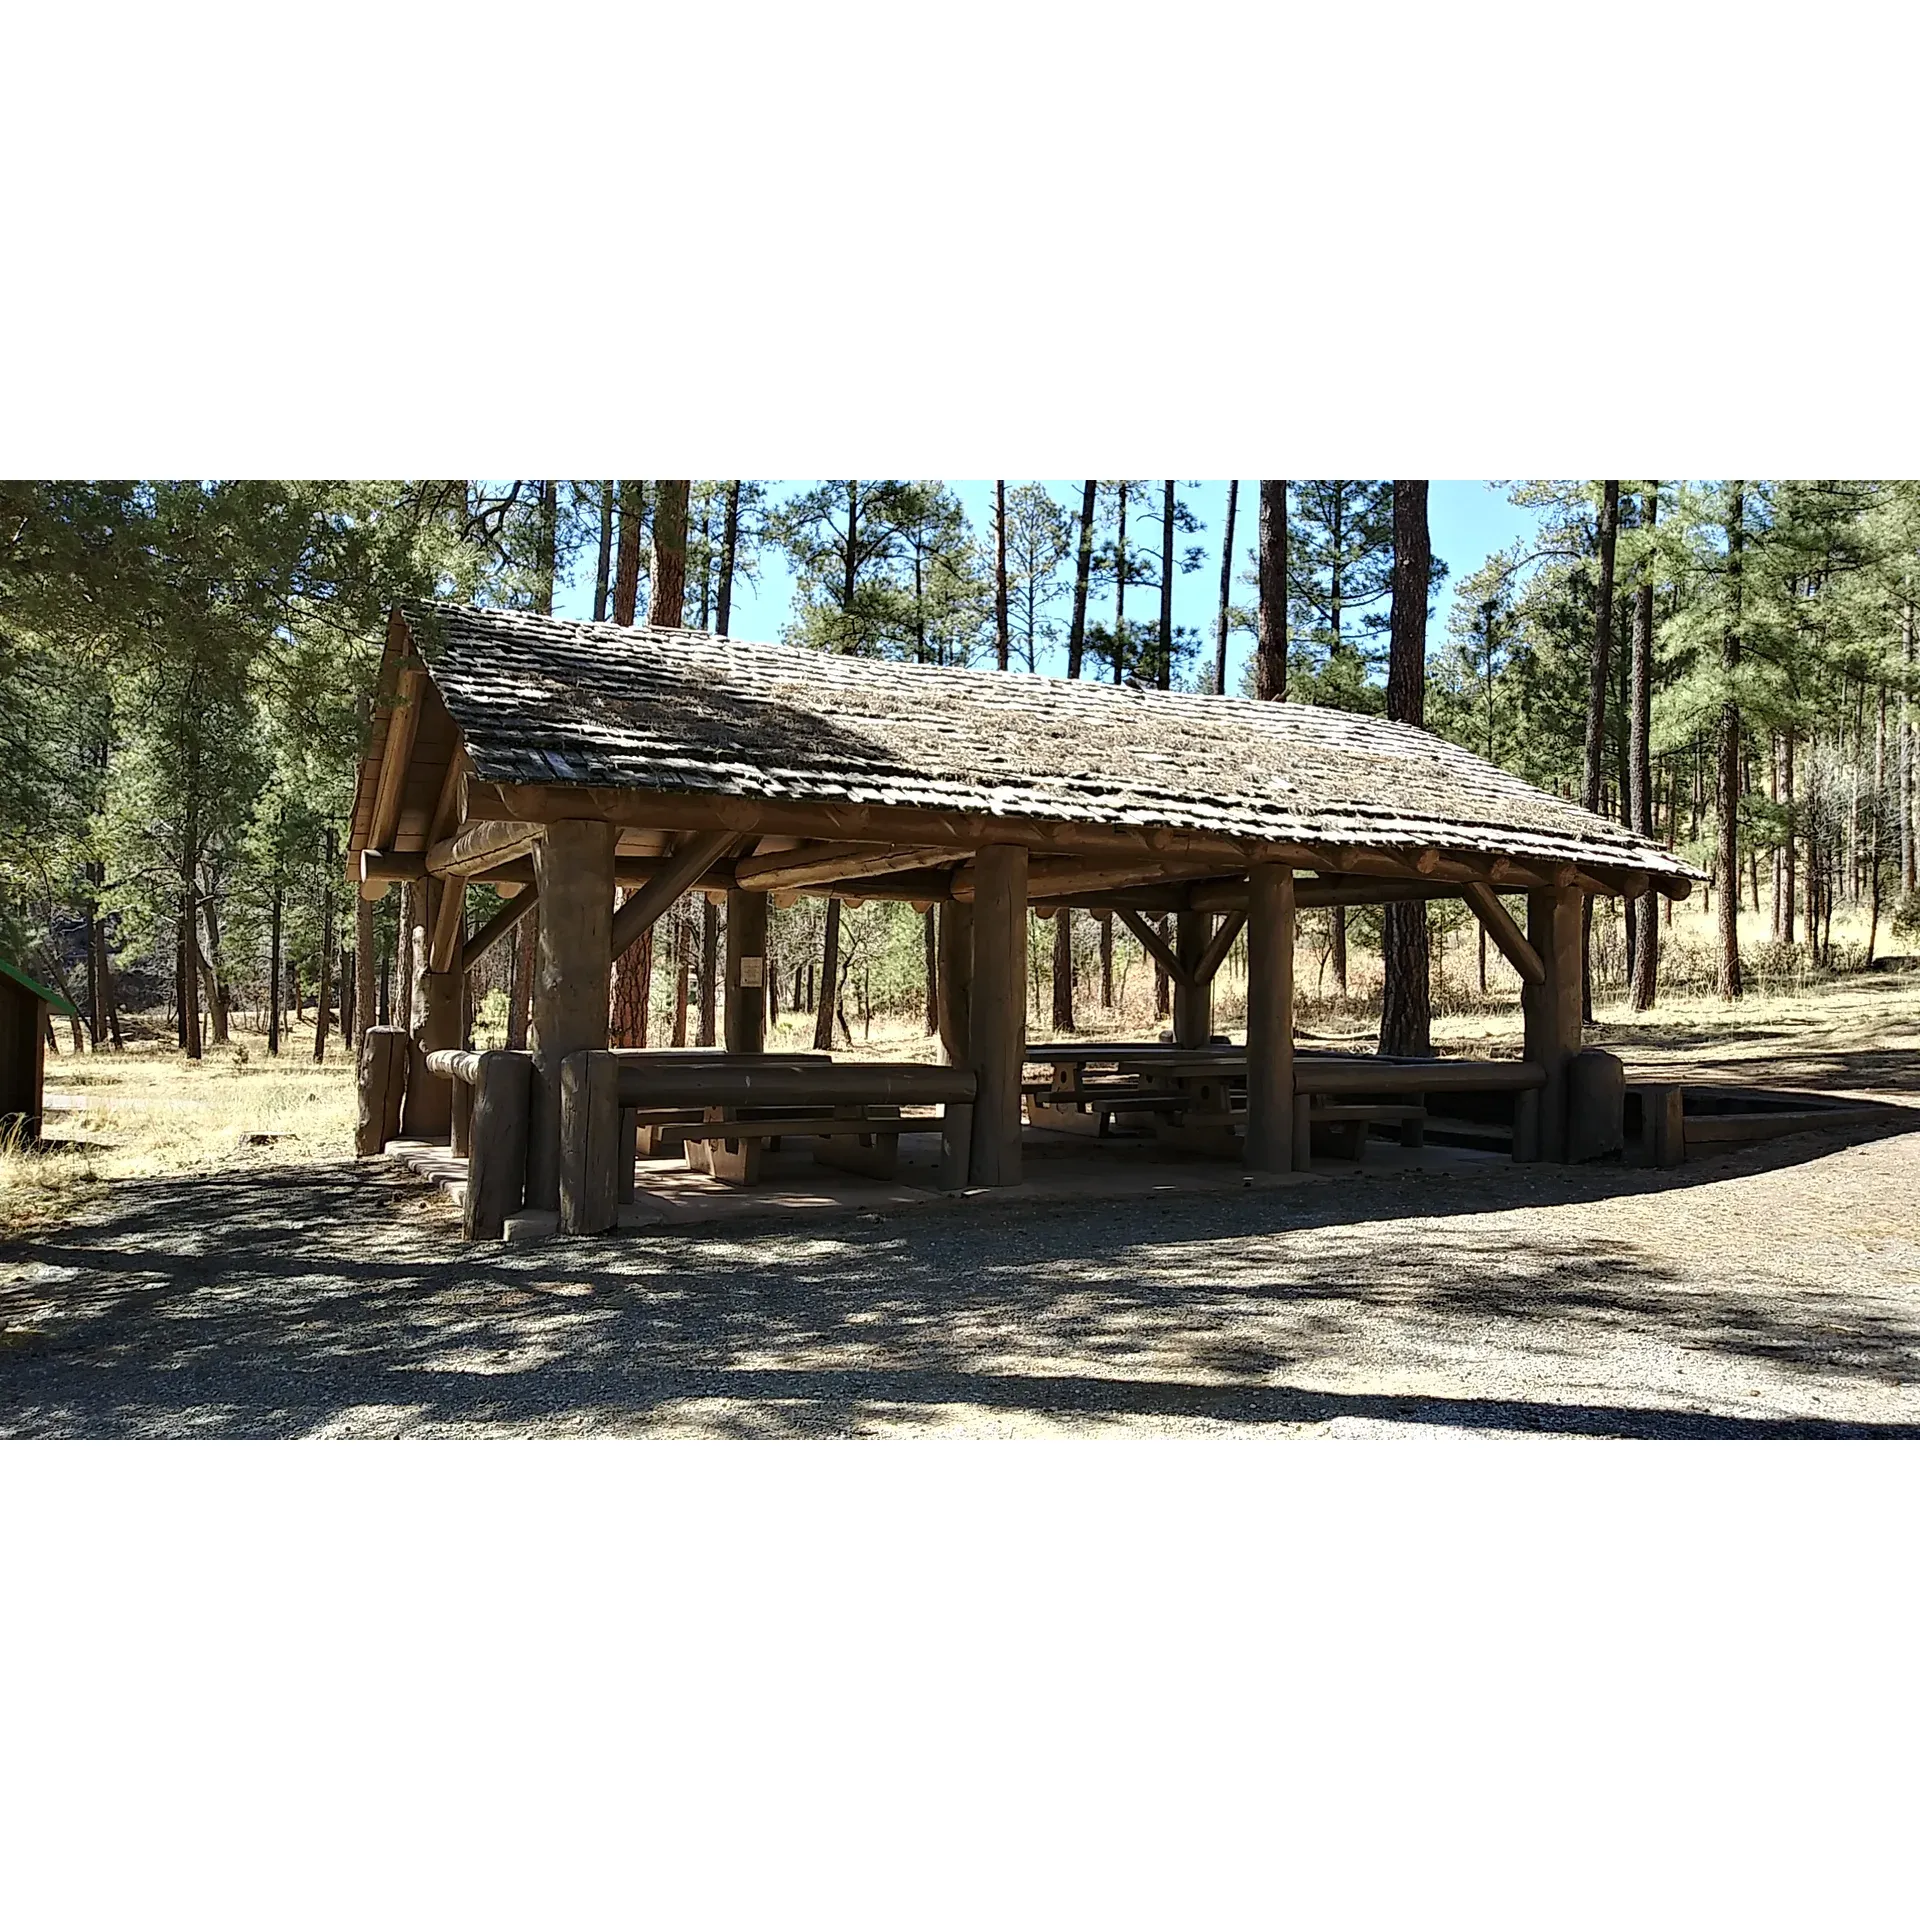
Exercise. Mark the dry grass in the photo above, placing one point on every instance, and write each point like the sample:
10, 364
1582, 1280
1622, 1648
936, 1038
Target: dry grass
148, 1111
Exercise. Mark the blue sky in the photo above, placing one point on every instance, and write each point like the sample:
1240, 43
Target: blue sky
1469, 520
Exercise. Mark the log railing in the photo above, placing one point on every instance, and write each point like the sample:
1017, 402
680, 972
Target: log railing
491, 1096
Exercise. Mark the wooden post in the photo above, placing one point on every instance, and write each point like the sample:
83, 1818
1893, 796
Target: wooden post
954, 981
382, 1082
497, 1164
1552, 1008
573, 962
428, 1111
1270, 1115
998, 1040
1192, 1004
590, 1135
746, 1002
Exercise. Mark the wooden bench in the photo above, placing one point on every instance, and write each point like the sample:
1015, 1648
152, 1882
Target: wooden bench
1344, 1124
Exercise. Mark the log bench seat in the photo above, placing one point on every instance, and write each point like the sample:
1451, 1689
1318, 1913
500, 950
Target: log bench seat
1344, 1125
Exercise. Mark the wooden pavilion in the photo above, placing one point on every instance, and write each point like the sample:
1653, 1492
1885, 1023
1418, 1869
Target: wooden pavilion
566, 759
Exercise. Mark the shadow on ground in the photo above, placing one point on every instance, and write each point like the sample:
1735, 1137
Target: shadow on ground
335, 1299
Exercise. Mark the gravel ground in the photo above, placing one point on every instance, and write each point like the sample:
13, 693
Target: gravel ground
1772, 1292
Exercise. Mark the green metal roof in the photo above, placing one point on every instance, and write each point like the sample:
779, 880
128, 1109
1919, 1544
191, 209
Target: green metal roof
32, 985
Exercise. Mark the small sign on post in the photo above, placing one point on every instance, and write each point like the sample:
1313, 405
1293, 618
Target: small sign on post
753, 970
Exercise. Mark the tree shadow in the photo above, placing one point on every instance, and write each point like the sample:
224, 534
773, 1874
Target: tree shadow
336, 1299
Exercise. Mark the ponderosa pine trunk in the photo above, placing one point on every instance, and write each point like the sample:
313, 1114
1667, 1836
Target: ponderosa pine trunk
930, 936
709, 971
603, 562
1226, 591
667, 589
1598, 668
1406, 1014
322, 1009
1909, 831
626, 572
1002, 632
546, 557
829, 981
1270, 661
273, 970
1163, 666
1728, 862
1645, 910
1120, 592
1063, 970
729, 556
1082, 576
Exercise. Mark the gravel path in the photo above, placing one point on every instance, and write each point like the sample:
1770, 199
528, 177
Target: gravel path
1774, 1292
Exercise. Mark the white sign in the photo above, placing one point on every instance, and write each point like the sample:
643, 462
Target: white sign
753, 970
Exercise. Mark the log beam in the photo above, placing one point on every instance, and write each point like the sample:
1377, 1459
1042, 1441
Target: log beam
486, 938
825, 865
403, 725
1504, 934
481, 847
1149, 937
1217, 949
687, 864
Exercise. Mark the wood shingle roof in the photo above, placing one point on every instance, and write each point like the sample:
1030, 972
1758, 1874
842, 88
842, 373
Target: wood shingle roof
558, 702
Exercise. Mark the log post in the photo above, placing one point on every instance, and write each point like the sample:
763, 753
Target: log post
1552, 1007
1270, 1115
953, 973
998, 1040
1192, 997
590, 1135
573, 963
746, 1003
428, 1111
497, 1163
382, 1083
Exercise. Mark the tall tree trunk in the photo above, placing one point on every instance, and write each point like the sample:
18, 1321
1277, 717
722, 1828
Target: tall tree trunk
1063, 970
667, 591
273, 969
930, 935
1729, 847
189, 993
1082, 575
1645, 910
709, 970
1002, 634
1406, 1015
363, 962
1909, 830
1226, 591
520, 995
1270, 669
1789, 865
1163, 666
729, 556
626, 576
682, 969
219, 994
547, 556
1597, 712
1120, 592
1874, 821
829, 981
321, 1009
603, 563
1106, 963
